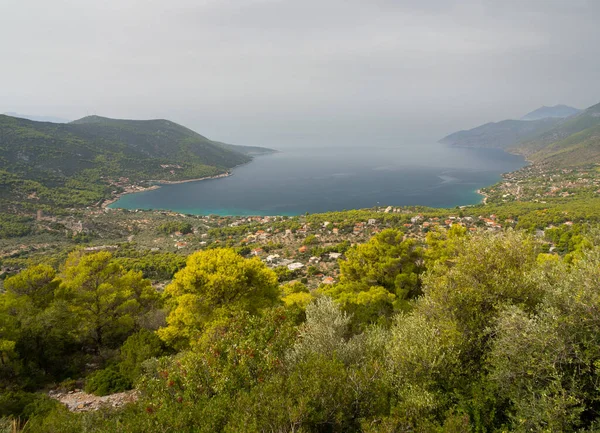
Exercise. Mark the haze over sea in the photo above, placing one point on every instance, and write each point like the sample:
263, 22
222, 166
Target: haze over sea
327, 178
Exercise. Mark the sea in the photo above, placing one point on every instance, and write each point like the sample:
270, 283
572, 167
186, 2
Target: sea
325, 178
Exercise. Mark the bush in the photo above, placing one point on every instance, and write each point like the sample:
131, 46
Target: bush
138, 348
107, 381
24, 405
68, 385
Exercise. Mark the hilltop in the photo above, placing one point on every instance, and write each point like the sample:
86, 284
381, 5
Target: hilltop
561, 111
46, 164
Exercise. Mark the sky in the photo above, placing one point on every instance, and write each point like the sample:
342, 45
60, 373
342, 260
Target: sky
275, 72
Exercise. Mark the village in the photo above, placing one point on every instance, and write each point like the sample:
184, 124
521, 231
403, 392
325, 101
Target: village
539, 183
305, 248
301, 248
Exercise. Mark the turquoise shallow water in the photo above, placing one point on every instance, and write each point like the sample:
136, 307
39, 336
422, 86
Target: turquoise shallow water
322, 178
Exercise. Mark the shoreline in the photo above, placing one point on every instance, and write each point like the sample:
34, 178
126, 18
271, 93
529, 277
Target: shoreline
157, 185
484, 195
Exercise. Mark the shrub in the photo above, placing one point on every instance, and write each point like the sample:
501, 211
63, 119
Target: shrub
24, 405
107, 381
138, 348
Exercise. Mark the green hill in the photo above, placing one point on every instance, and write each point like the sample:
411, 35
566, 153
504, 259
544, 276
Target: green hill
73, 164
573, 142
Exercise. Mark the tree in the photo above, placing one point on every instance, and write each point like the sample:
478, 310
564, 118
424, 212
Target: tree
40, 327
488, 272
215, 283
108, 301
547, 364
138, 348
37, 283
379, 277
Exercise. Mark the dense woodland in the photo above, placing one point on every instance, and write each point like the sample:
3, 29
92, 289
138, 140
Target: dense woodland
463, 332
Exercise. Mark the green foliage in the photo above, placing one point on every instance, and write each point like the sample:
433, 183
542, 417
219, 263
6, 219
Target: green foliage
152, 264
215, 284
175, 226
52, 325
107, 381
232, 355
13, 225
546, 364
499, 338
108, 301
487, 273
67, 165
296, 294
138, 348
310, 240
379, 277
24, 405
284, 274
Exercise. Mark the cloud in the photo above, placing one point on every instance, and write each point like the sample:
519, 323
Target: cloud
260, 70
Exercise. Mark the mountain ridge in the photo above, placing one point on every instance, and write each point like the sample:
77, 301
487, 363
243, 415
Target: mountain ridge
564, 142
560, 111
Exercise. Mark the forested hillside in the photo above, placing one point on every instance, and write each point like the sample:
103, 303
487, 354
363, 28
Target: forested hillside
64, 165
574, 142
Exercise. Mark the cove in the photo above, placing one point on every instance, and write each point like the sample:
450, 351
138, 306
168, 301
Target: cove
328, 178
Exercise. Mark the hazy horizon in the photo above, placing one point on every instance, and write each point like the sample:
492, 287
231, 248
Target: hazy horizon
273, 73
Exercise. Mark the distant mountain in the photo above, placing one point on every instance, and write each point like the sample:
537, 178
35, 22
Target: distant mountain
574, 141
38, 118
71, 164
560, 111
500, 134
564, 142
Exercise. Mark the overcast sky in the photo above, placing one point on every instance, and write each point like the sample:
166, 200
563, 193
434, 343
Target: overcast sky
269, 71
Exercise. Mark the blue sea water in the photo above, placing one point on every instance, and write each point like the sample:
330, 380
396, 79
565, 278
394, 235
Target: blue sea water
327, 178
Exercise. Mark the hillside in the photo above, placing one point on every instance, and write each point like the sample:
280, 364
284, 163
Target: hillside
575, 141
74, 164
500, 134
571, 141
561, 111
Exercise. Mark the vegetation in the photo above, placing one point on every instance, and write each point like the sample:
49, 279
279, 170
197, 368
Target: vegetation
392, 347
52, 166
475, 319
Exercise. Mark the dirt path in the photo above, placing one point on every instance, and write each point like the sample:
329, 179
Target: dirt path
79, 401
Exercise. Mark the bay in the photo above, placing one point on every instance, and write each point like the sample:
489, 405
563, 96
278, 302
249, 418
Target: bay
327, 178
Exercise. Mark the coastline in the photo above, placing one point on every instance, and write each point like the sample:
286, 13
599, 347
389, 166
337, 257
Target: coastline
157, 185
482, 199
485, 196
